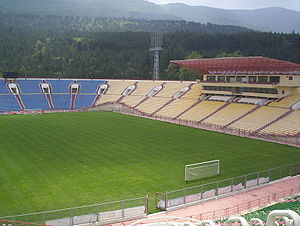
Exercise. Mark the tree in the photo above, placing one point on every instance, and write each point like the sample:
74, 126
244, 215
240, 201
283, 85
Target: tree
171, 72
187, 74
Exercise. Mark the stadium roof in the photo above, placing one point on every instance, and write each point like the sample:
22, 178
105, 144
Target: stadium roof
241, 65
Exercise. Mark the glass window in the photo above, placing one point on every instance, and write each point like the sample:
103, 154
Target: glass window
252, 79
263, 79
230, 79
274, 79
241, 79
211, 78
221, 79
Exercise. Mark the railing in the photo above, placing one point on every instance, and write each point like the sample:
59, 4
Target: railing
102, 213
196, 194
246, 207
13, 223
293, 140
275, 217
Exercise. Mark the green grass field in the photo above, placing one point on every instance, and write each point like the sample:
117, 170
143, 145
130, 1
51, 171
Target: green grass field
53, 161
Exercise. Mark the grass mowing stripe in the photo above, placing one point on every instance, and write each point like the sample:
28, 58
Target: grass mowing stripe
53, 161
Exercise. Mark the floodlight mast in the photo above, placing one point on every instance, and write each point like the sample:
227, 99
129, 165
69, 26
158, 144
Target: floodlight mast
156, 47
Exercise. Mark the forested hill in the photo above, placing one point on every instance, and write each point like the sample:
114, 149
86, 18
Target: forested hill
67, 23
86, 54
267, 19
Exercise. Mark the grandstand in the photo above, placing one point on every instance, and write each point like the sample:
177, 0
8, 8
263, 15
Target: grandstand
239, 94
253, 98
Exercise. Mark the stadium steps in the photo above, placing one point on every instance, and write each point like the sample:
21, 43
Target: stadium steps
247, 113
50, 102
170, 101
20, 102
142, 101
73, 99
120, 99
146, 98
220, 108
199, 101
123, 96
163, 86
272, 122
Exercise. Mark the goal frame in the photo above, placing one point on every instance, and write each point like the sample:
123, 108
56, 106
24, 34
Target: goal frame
203, 164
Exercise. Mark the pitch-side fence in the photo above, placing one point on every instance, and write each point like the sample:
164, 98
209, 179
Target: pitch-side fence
247, 206
124, 109
189, 196
102, 213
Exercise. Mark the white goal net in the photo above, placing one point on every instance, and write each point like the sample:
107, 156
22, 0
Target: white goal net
201, 170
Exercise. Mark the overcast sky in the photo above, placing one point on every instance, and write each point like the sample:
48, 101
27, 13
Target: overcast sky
238, 4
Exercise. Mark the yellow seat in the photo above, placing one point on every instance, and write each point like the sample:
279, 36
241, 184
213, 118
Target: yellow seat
201, 110
258, 118
229, 113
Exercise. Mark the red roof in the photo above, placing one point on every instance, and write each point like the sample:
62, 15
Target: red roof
240, 65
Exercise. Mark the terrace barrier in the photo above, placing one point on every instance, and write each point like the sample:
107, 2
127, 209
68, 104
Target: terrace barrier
103, 213
199, 193
252, 205
293, 140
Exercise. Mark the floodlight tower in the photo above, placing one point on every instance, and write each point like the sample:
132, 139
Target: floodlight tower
156, 47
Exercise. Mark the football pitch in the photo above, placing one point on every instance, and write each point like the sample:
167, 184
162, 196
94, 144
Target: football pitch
54, 161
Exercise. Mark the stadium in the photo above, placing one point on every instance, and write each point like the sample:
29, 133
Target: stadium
71, 149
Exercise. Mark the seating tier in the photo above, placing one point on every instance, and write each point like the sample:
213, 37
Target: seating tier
229, 113
194, 92
35, 102
29, 86
286, 102
202, 110
132, 100
289, 125
170, 88
61, 101
258, 118
9, 103
118, 86
84, 100
176, 107
152, 104
107, 99
144, 87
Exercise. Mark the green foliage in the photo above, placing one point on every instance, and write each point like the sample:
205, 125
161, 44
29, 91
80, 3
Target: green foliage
194, 55
171, 72
186, 74
234, 54
174, 72
74, 47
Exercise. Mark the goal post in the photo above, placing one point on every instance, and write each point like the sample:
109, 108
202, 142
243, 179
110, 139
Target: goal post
201, 170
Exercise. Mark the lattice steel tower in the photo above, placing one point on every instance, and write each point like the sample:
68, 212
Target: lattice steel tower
156, 47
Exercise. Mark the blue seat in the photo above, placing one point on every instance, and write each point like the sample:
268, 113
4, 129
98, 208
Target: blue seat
84, 100
90, 86
3, 87
35, 102
61, 101
29, 85
60, 86
8, 103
